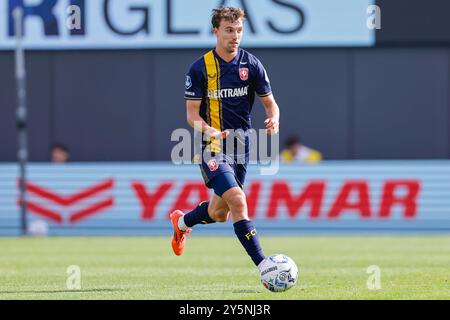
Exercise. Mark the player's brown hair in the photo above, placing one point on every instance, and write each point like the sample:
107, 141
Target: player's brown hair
229, 14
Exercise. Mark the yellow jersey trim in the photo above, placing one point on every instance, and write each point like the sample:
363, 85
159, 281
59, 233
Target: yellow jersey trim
213, 76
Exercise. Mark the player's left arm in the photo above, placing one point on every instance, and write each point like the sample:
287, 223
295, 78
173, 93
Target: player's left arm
272, 121
264, 91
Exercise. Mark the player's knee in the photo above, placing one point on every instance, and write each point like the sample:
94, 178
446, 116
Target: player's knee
220, 215
237, 201
221, 218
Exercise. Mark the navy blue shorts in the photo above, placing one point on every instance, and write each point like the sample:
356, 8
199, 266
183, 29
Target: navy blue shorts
218, 165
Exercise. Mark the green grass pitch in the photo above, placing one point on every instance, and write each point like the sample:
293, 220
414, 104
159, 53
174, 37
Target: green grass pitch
218, 268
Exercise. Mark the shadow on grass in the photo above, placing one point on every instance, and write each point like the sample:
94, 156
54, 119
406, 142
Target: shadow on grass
245, 291
62, 291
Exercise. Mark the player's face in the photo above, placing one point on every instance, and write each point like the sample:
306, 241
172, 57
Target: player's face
229, 35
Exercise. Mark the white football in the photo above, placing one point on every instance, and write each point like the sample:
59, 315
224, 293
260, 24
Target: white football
278, 273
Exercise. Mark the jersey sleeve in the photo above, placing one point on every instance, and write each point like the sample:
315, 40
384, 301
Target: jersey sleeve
262, 84
194, 83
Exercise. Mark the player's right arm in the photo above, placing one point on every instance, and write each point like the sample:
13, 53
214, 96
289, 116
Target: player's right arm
196, 121
194, 94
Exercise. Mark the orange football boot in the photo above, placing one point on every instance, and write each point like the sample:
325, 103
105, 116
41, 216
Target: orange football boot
179, 237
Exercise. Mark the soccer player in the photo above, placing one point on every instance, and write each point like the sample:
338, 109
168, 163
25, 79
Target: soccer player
220, 91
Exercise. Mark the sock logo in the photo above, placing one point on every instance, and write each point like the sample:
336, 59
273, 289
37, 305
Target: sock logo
250, 234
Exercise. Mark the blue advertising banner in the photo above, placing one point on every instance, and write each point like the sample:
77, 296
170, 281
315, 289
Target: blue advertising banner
122, 24
135, 199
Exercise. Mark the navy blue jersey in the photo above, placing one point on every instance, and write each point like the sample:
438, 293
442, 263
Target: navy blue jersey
227, 89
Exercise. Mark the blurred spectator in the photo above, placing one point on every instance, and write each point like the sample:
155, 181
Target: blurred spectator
296, 152
59, 153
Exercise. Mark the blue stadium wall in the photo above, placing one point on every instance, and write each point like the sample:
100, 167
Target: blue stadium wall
377, 103
386, 102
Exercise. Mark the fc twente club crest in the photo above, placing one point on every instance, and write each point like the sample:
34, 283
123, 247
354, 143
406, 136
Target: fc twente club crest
243, 73
213, 165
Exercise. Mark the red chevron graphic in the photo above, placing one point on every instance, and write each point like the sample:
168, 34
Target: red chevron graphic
37, 209
70, 200
89, 211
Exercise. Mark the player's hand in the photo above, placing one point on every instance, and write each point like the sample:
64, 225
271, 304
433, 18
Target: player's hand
217, 134
272, 126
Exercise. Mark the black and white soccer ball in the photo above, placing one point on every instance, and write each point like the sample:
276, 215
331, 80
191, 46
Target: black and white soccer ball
278, 273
